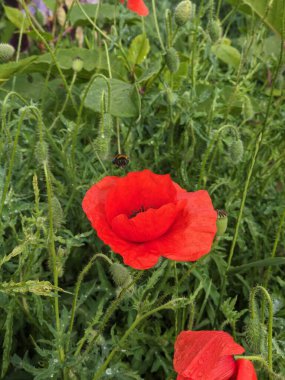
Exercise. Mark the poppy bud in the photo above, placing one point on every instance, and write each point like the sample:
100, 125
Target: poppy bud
236, 151
215, 30
106, 124
61, 16
183, 12
247, 109
222, 222
120, 275
57, 213
41, 151
102, 145
6, 52
170, 96
172, 60
77, 64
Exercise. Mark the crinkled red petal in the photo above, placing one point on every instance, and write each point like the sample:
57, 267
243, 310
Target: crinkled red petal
197, 353
192, 234
145, 226
245, 370
138, 6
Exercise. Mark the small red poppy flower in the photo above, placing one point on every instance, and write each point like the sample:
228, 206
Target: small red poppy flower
208, 355
137, 6
143, 216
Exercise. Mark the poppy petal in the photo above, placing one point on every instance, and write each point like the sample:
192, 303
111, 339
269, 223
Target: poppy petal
197, 353
136, 255
192, 234
138, 6
141, 228
245, 370
139, 190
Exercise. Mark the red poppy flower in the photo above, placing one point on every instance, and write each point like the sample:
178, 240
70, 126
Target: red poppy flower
208, 355
137, 6
143, 216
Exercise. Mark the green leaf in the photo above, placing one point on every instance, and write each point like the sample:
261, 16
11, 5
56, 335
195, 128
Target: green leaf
16, 17
124, 98
227, 53
273, 17
9, 69
138, 50
260, 264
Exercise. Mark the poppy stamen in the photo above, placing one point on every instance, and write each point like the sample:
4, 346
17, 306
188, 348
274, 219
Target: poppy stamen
135, 212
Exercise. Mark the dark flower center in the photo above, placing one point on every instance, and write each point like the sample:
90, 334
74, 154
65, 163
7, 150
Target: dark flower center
136, 212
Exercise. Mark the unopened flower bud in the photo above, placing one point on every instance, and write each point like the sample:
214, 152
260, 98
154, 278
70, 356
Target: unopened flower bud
79, 36
247, 108
236, 151
77, 64
61, 16
102, 146
215, 30
6, 52
172, 60
120, 275
222, 222
184, 11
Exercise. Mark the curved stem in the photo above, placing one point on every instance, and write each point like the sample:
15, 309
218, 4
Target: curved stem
138, 320
156, 25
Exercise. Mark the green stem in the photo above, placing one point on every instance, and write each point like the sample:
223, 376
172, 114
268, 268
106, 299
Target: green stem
77, 288
53, 255
138, 320
270, 318
156, 25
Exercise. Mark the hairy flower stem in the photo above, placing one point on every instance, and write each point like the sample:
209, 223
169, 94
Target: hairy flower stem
138, 320
53, 255
270, 318
156, 25
77, 288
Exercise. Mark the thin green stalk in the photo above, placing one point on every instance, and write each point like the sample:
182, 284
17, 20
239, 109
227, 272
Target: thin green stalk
53, 256
156, 25
274, 249
77, 288
138, 320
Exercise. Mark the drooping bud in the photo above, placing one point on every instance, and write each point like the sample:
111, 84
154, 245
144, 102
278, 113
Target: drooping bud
184, 11
57, 213
247, 108
41, 152
60, 16
120, 275
172, 60
215, 30
236, 151
77, 64
222, 222
102, 146
6, 52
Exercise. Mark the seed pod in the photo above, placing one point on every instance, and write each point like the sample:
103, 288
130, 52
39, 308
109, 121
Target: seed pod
6, 52
120, 275
77, 64
183, 12
222, 222
215, 30
247, 108
236, 151
172, 60
60, 16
